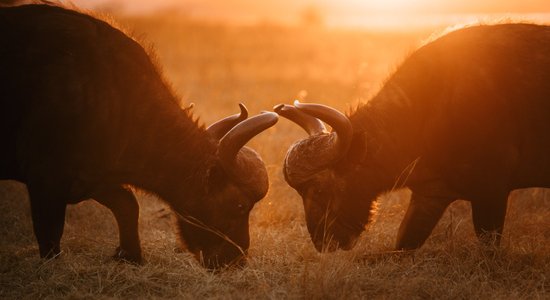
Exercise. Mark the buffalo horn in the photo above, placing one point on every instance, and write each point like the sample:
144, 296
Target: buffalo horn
310, 124
339, 122
238, 136
221, 127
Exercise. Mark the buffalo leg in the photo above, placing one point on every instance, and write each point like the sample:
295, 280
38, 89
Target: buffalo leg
125, 208
48, 218
488, 217
420, 219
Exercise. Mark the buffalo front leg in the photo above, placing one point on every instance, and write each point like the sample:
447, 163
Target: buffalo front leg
420, 219
488, 217
125, 208
48, 220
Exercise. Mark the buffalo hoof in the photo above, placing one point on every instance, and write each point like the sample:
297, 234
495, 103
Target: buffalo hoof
54, 252
125, 256
489, 240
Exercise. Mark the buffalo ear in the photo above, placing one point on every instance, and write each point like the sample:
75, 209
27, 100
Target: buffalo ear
358, 149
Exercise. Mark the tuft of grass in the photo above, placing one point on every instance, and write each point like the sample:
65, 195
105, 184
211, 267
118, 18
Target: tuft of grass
282, 261
216, 66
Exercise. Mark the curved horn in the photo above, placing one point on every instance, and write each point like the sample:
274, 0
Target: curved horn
310, 124
340, 124
239, 135
221, 127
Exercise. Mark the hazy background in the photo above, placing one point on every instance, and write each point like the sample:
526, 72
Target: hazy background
216, 53
380, 14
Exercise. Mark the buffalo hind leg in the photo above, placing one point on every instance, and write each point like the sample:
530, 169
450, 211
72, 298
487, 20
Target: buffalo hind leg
420, 219
48, 220
488, 217
125, 208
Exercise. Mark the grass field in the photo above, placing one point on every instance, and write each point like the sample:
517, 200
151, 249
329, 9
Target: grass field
216, 66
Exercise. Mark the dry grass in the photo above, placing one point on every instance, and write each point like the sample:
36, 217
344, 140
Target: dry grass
216, 66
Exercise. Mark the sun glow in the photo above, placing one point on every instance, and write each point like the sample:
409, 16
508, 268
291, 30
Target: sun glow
372, 14
387, 6
411, 14
392, 7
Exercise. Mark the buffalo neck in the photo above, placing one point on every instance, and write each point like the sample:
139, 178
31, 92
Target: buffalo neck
169, 154
391, 127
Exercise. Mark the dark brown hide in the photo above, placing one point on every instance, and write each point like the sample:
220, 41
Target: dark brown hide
84, 113
464, 117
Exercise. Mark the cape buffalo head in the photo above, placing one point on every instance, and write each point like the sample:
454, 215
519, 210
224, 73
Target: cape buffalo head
321, 170
215, 229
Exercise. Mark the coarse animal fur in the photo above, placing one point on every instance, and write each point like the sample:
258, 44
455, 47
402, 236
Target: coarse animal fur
464, 117
85, 113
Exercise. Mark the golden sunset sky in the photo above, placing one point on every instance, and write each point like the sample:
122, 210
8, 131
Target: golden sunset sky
337, 12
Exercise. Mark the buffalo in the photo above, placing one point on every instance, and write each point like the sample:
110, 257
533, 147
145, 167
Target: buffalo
466, 116
85, 114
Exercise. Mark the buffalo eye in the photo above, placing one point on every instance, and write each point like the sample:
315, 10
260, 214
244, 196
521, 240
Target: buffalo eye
241, 209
